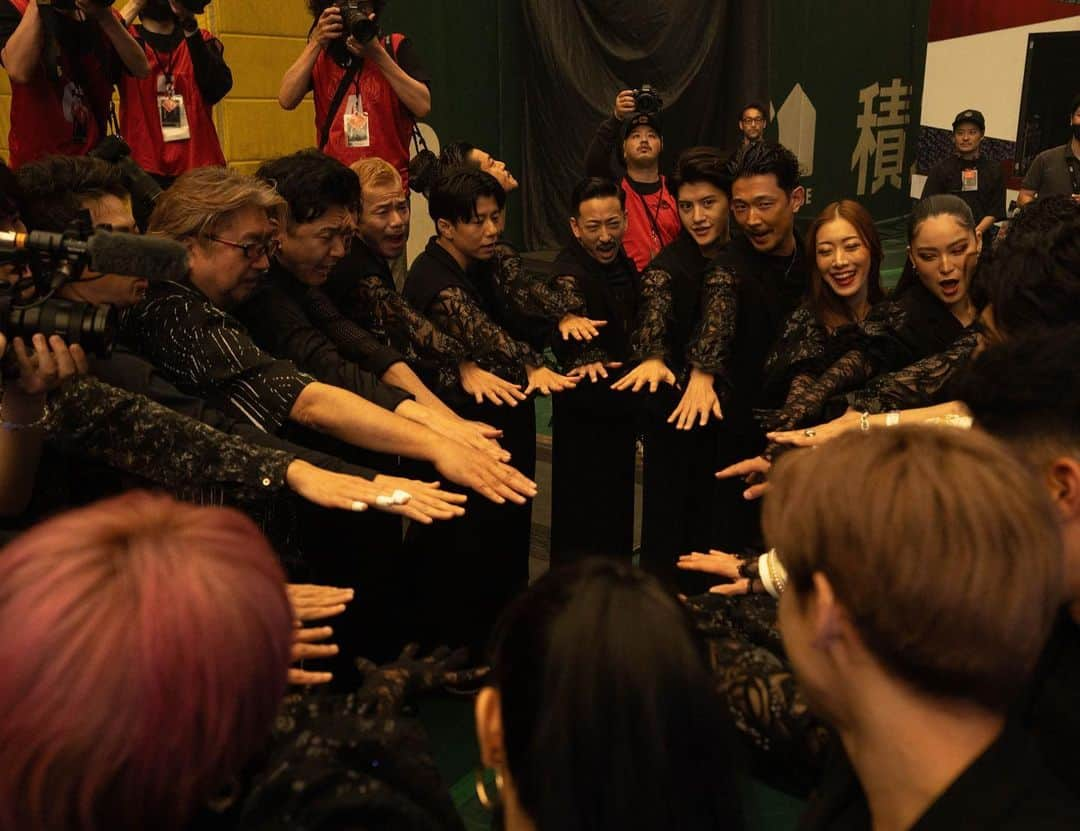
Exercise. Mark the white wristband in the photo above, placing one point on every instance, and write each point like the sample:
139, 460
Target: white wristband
892, 419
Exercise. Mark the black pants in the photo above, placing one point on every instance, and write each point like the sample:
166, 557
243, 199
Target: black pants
592, 489
685, 508
464, 571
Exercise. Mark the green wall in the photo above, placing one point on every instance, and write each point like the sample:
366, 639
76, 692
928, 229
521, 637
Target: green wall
834, 49
474, 54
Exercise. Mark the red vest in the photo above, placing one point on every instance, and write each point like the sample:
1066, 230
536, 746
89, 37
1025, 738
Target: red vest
140, 124
390, 124
51, 116
641, 241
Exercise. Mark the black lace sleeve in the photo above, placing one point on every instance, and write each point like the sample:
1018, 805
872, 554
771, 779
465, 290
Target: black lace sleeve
532, 296
456, 313
655, 314
406, 326
710, 345
573, 353
786, 742
918, 384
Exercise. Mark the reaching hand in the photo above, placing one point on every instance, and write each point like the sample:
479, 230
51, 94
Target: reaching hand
580, 328
492, 479
753, 472
329, 28
311, 602
386, 688
429, 501
468, 434
721, 564
649, 373
698, 402
624, 105
545, 381
813, 436
481, 385
595, 371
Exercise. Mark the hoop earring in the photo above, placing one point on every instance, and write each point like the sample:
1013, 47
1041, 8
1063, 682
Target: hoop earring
482, 794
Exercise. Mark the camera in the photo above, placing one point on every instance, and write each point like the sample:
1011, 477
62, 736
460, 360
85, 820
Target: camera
92, 327
69, 5
647, 100
356, 17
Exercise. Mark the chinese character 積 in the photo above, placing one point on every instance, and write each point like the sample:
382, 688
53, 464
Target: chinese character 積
886, 145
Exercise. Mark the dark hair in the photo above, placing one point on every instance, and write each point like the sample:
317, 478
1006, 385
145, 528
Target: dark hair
454, 196
1033, 280
426, 168
702, 164
822, 300
11, 193
54, 187
754, 105
1027, 390
1042, 216
941, 204
595, 188
312, 183
1074, 105
766, 157
608, 711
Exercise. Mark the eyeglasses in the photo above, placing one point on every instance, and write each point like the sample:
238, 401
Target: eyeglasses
254, 251
757, 119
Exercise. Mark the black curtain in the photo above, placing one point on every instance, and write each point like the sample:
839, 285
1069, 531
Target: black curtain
706, 58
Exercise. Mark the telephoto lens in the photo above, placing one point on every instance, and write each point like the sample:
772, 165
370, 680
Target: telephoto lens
92, 327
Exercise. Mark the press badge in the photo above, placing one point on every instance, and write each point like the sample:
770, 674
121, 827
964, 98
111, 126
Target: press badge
969, 179
171, 111
355, 123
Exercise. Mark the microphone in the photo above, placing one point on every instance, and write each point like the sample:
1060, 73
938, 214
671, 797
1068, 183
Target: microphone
152, 258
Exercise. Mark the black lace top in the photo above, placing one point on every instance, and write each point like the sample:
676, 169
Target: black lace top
473, 308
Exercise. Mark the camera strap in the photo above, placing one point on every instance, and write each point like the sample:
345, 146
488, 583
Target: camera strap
339, 96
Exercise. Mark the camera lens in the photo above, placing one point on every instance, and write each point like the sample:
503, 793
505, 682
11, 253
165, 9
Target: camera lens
363, 28
92, 327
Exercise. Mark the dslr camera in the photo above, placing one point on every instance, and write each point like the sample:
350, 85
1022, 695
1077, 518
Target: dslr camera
647, 100
69, 5
356, 17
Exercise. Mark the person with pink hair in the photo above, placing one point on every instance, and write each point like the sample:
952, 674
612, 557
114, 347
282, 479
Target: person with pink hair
145, 650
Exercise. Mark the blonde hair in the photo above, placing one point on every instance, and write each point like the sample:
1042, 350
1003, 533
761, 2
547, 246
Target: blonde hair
375, 173
943, 549
203, 200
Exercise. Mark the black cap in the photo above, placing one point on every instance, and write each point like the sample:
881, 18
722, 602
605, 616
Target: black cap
970, 117
637, 119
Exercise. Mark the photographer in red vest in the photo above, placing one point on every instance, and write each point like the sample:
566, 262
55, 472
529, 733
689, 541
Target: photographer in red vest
166, 117
369, 89
63, 59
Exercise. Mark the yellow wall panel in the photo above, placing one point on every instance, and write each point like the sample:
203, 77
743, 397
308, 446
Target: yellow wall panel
259, 17
258, 62
256, 130
5, 124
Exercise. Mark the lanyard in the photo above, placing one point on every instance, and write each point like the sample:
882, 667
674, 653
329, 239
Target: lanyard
166, 69
654, 217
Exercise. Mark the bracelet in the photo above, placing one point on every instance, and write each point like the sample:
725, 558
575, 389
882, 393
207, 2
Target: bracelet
892, 419
864, 421
772, 573
30, 425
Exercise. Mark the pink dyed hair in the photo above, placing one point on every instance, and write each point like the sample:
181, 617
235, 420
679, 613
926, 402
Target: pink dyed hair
145, 650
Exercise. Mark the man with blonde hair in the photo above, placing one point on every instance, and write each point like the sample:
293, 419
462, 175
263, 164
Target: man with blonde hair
229, 224
924, 571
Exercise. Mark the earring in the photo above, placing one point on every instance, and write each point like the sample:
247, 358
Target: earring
481, 789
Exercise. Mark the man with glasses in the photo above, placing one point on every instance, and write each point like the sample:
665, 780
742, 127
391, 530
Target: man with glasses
229, 223
752, 123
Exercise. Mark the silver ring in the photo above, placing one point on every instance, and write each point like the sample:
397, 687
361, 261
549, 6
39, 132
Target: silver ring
357, 505
809, 433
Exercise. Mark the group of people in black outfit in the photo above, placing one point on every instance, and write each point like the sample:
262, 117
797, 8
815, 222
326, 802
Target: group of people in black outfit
895, 632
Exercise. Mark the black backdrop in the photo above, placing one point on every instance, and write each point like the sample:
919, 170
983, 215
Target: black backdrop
706, 57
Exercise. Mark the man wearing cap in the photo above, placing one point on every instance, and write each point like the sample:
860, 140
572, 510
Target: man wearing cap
1056, 172
651, 212
970, 175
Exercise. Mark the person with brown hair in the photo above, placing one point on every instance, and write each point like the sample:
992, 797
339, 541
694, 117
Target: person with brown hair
924, 571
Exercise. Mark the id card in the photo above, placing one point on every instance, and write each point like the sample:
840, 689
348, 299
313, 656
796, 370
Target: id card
171, 112
355, 123
969, 179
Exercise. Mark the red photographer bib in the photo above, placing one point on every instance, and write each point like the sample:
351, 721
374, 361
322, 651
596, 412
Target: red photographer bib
67, 116
148, 108
371, 120
651, 223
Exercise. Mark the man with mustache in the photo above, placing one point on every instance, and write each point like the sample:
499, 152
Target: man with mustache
652, 216
592, 503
